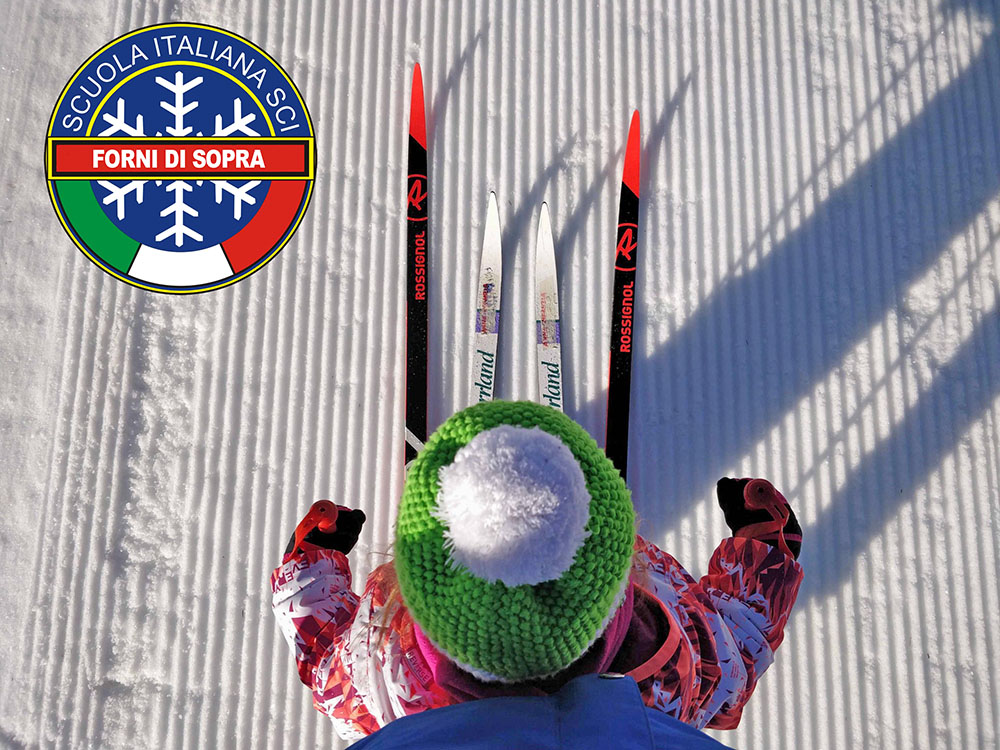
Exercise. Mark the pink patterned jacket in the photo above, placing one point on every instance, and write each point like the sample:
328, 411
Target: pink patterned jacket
696, 648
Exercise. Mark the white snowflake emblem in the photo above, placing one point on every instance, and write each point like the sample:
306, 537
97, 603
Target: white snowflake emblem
179, 101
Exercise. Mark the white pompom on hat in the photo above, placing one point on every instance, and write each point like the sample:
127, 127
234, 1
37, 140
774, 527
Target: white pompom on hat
515, 506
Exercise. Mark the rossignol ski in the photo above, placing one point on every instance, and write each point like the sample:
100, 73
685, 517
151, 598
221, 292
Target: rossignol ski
487, 308
623, 305
415, 432
547, 339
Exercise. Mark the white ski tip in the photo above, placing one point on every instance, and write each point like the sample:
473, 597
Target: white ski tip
492, 211
544, 246
491, 257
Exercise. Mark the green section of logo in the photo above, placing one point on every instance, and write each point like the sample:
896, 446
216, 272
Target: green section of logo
92, 226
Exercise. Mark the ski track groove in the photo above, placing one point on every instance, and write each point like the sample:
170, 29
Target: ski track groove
58, 474
855, 428
388, 484
446, 312
369, 448
898, 701
46, 697
508, 364
440, 141
944, 634
809, 651
295, 503
276, 521
984, 236
83, 615
776, 180
805, 438
887, 229
753, 119
85, 363
534, 173
57, 478
789, 440
203, 625
252, 610
864, 599
481, 170
324, 243
953, 546
285, 491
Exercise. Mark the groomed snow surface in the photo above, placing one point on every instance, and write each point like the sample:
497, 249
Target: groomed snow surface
817, 305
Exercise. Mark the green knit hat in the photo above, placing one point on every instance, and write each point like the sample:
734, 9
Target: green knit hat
514, 540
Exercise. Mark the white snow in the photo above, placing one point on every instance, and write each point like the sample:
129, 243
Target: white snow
818, 291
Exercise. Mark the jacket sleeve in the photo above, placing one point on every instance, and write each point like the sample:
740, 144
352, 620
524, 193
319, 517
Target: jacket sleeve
357, 654
753, 587
313, 603
730, 623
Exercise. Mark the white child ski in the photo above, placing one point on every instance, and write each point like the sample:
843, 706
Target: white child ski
487, 308
550, 390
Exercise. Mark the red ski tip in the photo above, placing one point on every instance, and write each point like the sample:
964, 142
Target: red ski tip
630, 175
417, 127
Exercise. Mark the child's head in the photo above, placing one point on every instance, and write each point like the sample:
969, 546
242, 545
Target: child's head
514, 540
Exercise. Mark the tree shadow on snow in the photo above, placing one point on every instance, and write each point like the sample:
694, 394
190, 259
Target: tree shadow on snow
761, 341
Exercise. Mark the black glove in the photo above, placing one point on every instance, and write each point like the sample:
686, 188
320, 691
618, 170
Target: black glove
756, 510
342, 538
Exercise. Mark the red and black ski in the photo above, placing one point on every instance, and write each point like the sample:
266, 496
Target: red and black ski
415, 433
623, 306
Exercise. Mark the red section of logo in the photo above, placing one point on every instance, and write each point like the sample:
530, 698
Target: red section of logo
138, 158
267, 226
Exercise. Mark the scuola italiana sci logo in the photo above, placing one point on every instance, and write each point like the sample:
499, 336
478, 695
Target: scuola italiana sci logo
180, 158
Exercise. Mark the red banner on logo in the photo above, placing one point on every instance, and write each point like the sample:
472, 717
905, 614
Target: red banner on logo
177, 158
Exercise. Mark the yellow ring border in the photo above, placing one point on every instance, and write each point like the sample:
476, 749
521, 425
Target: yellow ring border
206, 66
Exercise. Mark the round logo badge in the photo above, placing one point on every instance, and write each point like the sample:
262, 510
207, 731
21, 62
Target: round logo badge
180, 158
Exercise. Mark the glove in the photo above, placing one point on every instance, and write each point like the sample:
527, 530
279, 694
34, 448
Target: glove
756, 510
327, 526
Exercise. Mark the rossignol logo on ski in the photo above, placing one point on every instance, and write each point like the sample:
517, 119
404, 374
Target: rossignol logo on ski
416, 198
625, 328
180, 158
416, 211
626, 246
420, 270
